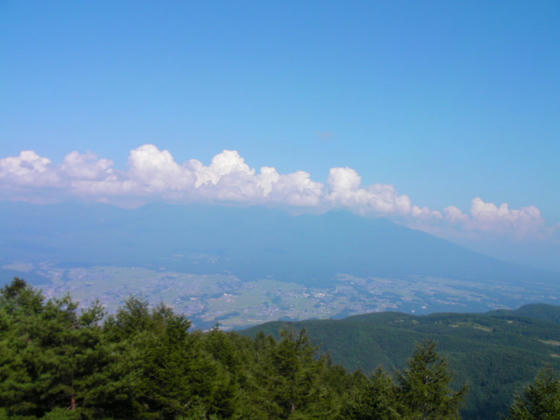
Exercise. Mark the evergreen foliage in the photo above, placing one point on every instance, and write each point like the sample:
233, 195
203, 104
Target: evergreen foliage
540, 400
422, 391
59, 362
496, 353
424, 387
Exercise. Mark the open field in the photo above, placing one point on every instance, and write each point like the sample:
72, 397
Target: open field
226, 299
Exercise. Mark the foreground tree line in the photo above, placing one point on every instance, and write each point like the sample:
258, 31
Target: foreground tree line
60, 363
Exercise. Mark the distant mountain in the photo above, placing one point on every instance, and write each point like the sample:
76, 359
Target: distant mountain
495, 353
252, 243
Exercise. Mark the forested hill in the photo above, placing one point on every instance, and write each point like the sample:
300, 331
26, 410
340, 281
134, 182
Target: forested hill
495, 353
540, 311
61, 363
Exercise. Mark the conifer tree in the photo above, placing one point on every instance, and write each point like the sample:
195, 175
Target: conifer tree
540, 400
375, 400
424, 386
44, 349
59, 362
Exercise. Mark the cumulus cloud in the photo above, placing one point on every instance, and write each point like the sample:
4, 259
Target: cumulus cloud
345, 191
489, 216
85, 166
382, 199
27, 169
455, 215
154, 174
227, 163
155, 171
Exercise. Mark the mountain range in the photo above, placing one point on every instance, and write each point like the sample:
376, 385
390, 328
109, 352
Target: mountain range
243, 266
250, 242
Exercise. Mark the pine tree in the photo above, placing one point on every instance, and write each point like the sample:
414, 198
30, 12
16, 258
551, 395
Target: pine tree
59, 362
540, 400
424, 386
46, 349
376, 400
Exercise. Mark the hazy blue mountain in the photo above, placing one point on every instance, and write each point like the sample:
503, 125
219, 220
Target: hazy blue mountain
250, 242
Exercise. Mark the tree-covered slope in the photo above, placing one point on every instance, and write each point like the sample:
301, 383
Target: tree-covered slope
542, 311
495, 354
57, 362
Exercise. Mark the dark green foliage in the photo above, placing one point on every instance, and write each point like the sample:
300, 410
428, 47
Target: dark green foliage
540, 400
541, 311
421, 391
424, 386
494, 354
377, 399
46, 350
60, 363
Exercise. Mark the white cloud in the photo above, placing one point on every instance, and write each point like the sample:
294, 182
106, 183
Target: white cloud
490, 217
297, 189
379, 199
455, 215
153, 174
425, 213
155, 171
267, 179
343, 181
226, 163
27, 169
86, 166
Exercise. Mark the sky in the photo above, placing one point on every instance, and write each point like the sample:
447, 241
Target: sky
443, 116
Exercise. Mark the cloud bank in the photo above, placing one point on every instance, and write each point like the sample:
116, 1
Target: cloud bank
154, 175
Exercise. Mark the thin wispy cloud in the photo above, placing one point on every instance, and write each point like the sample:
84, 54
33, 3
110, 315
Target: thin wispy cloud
325, 136
154, 175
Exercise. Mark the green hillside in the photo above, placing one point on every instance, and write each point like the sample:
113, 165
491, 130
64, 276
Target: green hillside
541, 311
61, 363
495, 354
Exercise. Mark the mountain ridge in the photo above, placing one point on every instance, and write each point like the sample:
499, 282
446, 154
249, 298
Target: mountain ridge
250, 242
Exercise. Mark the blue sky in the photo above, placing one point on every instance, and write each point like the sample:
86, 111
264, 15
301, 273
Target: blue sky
445, 101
